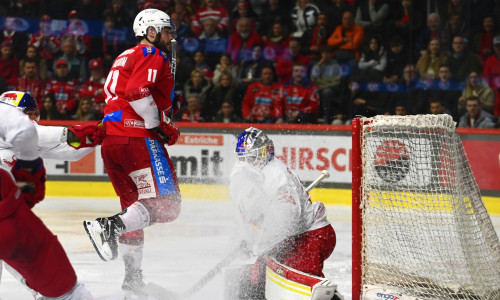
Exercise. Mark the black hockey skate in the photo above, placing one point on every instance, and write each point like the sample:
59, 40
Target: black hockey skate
104, 234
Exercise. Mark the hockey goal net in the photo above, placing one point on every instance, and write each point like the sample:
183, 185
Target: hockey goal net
420, 228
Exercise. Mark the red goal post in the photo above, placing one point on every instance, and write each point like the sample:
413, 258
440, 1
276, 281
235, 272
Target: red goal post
420, 228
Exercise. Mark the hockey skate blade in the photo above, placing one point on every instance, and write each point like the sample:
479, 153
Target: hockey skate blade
94, 230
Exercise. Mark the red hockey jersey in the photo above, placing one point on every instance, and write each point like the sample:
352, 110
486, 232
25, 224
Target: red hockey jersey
138, 85
35, 88
303, 97
218, 13
65, 93
94, 90
261, 102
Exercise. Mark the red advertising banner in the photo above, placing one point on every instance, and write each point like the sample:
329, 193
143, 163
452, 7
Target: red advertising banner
484, 158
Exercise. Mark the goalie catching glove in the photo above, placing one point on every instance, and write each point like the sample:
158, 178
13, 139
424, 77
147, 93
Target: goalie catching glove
82, 136
167, 131
30, 177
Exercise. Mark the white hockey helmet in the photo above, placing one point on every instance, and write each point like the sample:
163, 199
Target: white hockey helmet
151, 18
254, 147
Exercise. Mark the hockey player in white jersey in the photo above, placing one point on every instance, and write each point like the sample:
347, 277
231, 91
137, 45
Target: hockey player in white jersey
26, 244
54, 142
277, 216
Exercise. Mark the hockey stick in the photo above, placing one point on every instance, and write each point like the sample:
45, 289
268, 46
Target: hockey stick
214, 271
324, 174
235, 253
217, 268
173, 67
159, 292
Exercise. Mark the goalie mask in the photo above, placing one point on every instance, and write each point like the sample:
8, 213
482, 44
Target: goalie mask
254, 147
23, 101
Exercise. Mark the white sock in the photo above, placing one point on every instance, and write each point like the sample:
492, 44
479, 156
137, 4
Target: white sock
136, 217
134, 252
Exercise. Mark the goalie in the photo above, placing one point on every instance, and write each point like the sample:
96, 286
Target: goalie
278, 219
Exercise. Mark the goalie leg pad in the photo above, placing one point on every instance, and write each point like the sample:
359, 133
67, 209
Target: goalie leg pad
283, 282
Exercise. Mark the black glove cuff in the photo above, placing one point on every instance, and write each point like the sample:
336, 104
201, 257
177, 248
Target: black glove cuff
28, 164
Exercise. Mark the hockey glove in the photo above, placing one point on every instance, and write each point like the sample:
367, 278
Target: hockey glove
30, 177
83, 136
167, 131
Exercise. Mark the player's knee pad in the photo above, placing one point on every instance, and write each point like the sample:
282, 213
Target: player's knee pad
162, 210
132, 238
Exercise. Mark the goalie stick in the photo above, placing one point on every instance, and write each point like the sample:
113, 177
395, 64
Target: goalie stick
324, 174
234, 253
164, 294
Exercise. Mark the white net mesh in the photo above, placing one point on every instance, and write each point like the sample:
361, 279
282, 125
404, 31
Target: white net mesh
426, 232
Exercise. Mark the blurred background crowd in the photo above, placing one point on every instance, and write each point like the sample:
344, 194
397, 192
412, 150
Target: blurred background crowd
268, 61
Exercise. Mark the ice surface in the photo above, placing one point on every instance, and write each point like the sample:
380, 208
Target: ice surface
176, 254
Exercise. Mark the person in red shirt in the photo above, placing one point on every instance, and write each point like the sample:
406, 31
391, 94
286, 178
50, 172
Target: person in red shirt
276, 42
30, 82
192, 112
491, 73
63, 88
299, 96
78, 30
47, 43
9, 65
243, 40
211, 9
93, 87
261, 103
139, 101
242, 9
289, 58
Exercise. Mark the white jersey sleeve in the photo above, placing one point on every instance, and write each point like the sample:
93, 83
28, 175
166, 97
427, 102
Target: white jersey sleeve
18, 135
52, 144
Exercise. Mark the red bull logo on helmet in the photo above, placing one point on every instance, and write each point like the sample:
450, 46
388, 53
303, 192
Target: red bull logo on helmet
18, 99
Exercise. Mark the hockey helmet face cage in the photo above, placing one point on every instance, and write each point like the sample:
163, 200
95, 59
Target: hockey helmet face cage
23, 101
152, 18
254, 147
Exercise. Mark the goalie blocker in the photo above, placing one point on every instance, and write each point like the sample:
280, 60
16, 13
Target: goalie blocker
282, 283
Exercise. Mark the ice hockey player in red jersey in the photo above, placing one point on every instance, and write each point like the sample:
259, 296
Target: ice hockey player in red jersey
26, 244
277, 217
139, 97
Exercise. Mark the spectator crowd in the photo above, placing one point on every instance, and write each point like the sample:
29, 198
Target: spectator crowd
268, 61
